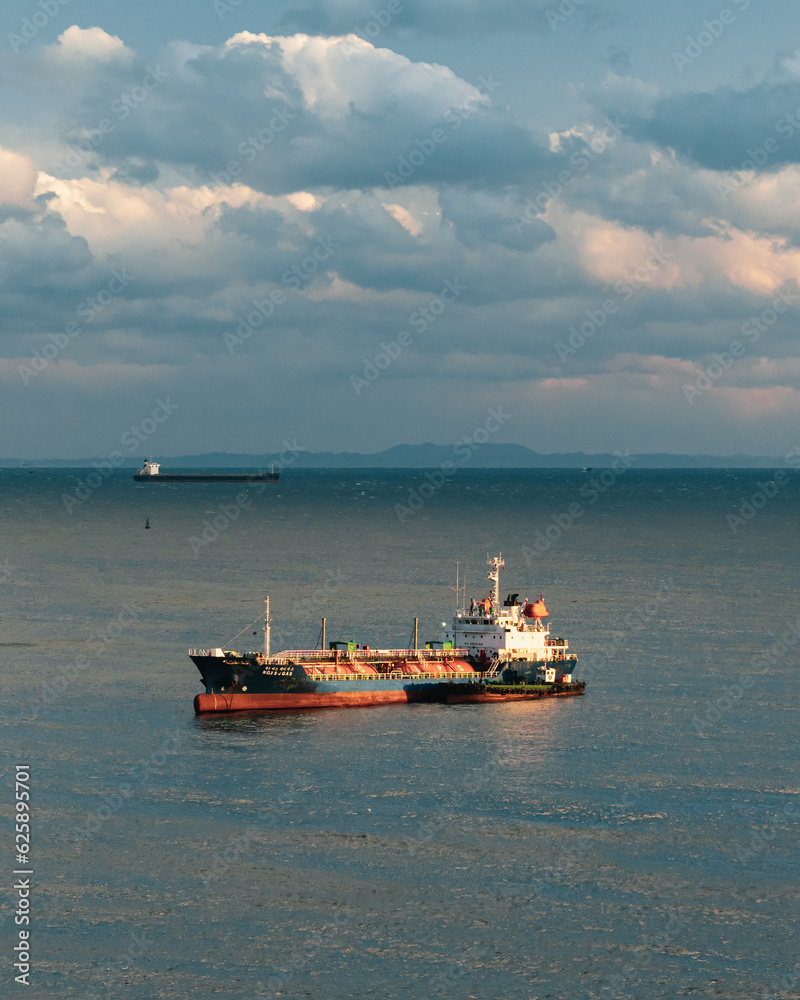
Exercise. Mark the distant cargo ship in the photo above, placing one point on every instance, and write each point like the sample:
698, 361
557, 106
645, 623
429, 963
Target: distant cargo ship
495, 653
149, 474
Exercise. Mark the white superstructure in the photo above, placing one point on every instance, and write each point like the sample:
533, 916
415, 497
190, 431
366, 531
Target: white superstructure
511, 634
150, 468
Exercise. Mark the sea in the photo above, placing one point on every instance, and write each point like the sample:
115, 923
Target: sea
639, 841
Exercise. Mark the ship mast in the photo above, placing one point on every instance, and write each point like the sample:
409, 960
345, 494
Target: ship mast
497, 564
267, 624
459, 591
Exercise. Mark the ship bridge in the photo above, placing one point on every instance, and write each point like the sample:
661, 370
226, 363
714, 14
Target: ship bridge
511, 630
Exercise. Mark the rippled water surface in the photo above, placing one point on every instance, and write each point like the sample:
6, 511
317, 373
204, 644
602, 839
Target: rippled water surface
640, 841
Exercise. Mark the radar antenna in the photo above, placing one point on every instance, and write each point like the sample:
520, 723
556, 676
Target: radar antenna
497, 563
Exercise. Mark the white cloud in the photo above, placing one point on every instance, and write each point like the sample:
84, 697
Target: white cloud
17, 178
405, 218
342, 75
210, 199
76, 44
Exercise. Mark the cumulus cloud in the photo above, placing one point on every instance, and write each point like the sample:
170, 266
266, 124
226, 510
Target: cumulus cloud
351, 183
17, 178
282, 113
728, 128
81, 44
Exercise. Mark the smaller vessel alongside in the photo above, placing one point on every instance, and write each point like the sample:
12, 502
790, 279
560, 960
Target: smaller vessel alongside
149, 473
492, 653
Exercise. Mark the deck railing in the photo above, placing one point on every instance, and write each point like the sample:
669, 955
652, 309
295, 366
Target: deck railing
366, 655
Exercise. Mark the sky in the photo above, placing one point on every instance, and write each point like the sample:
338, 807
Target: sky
231, 225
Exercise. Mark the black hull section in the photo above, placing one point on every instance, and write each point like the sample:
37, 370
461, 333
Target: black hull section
222, 674
256, 477
524, 671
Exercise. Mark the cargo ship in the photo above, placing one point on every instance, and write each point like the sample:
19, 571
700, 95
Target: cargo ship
493, 652
149, 473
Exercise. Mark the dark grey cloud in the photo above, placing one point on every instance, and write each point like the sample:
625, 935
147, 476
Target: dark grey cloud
481, 219
622, 184
692, 324
619, 59
239, 114
518, 221
722, 130
136, 171
451, 17
371, 250
44, 271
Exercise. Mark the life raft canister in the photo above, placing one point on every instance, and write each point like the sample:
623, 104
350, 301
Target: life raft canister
536, 609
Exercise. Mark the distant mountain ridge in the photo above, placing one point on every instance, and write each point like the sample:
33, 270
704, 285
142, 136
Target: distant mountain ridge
421, 456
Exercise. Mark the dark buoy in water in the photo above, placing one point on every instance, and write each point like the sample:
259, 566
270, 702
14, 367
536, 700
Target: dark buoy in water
147, 523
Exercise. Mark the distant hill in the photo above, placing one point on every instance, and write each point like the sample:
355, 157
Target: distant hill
424, 456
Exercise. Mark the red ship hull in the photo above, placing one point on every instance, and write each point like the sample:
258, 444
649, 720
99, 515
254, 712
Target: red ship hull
448, 694
238, 702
